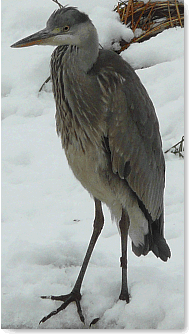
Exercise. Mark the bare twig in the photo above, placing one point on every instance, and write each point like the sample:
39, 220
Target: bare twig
151, 17
178, 148
178, 13
59, 4
169, 14
127, 11
47, 80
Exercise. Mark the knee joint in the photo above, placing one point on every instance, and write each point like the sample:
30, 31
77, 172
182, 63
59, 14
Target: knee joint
123, 262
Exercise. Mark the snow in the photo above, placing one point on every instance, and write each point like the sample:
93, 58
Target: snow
46, 214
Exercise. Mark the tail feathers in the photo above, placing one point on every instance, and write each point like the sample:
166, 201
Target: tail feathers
142, 249
159, 247
156, 243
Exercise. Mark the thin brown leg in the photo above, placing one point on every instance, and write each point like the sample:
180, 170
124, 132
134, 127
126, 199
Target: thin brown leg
75, 294
124, 227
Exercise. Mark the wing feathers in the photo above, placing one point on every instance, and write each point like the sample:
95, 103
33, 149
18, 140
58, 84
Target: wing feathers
132, 131
134, 137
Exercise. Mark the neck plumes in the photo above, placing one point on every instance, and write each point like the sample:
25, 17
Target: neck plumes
76, 112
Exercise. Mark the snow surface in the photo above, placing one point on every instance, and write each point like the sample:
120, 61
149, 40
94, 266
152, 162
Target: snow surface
47, 216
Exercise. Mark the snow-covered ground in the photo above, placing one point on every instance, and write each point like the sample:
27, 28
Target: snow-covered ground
46, 214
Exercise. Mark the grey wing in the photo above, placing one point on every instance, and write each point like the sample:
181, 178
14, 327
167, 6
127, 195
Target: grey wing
135, 143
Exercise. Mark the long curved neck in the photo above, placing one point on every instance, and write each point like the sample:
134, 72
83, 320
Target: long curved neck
73, 88
86, 52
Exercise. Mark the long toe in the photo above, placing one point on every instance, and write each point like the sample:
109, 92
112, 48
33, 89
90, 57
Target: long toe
67, 299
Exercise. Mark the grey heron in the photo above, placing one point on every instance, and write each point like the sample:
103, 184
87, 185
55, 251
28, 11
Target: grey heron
110, 133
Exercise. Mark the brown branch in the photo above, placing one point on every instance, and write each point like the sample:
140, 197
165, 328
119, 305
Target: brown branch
178, 13
151, 17
169, 13
127, 11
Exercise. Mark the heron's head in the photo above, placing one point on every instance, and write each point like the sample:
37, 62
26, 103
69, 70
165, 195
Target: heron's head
66, 26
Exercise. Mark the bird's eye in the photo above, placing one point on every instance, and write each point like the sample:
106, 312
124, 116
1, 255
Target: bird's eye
66, 28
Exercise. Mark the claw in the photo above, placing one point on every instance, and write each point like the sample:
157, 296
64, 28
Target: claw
67, 299
94, 321
61, 298
46, 297
80, 311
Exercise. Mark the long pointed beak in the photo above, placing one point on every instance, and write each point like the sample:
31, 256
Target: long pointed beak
40, 37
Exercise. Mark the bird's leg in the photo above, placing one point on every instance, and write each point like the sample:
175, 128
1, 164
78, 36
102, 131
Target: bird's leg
124, 227
97, 228
75, 294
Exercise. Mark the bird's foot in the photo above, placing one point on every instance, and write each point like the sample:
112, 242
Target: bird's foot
73, 296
